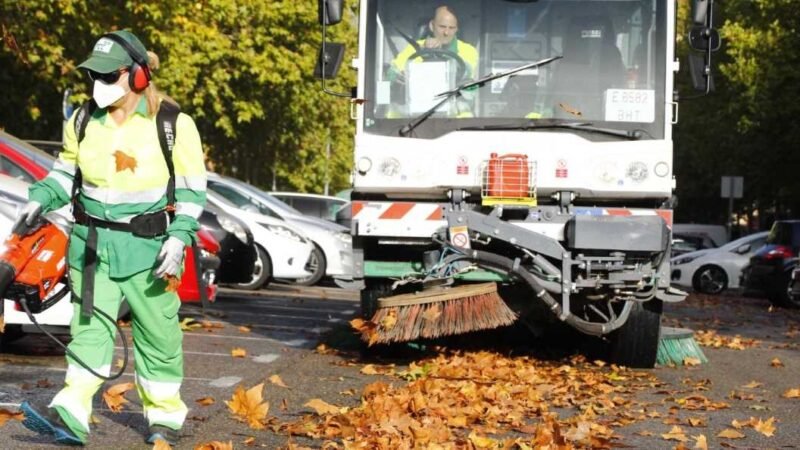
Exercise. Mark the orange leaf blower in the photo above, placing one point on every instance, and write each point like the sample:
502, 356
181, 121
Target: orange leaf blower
32, 263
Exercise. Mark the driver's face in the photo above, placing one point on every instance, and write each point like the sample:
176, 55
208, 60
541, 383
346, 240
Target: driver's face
444, 27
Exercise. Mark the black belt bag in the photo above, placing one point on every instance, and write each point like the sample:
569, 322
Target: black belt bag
144, 225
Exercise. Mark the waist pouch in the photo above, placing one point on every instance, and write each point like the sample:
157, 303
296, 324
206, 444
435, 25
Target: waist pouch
144, 225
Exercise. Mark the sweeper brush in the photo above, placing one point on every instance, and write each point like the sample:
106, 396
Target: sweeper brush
440, 311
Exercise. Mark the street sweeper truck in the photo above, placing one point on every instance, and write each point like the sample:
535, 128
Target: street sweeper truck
514, 161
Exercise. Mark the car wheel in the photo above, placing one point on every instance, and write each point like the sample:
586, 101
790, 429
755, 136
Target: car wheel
779, 294
262, 271
710, 280
635, 344
316, 265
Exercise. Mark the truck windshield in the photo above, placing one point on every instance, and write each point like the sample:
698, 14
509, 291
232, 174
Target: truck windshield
612, 71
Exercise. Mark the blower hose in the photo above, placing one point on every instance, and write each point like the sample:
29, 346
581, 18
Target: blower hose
71, 354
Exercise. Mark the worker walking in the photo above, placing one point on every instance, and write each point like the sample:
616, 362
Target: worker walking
137, 166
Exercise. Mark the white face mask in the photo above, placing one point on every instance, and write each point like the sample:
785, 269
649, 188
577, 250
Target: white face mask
106, 94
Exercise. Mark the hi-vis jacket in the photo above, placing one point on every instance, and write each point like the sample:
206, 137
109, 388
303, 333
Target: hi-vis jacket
466, 51
124, 174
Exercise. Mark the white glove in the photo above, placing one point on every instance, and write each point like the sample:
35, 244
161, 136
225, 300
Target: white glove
170, 256
28, 215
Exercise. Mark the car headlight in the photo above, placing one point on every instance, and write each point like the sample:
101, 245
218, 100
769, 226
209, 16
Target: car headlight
285, 232
681, 261
344, 237
231, 226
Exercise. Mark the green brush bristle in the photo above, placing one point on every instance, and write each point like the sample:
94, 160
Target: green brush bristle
676, 345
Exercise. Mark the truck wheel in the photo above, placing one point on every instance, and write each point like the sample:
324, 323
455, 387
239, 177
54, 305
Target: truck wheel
262, 271
635, 344
710, 279
779, 294
316, 265
373, 290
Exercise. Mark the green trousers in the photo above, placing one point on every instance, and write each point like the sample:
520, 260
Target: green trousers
157, 348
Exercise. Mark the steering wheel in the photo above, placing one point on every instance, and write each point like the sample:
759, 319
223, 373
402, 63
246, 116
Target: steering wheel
436, 54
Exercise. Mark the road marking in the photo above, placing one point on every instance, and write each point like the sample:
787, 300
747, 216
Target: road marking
266, 359
297, 342
255, 305
15, 405
225, 381
252, 314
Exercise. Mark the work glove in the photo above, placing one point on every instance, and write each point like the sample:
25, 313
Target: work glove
170, 257
30, 212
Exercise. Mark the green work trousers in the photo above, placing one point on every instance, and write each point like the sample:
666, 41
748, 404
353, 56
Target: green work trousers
157, 348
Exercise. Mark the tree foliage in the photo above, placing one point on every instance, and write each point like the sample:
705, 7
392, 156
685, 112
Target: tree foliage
242, 69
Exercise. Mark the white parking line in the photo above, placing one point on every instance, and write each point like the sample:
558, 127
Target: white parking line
250, 306
225, 381
15, 405
229, 313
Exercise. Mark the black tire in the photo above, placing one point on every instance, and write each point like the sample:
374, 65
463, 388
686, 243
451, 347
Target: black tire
373, 290
710, 279
635, 344
779, 294
318, 264
262, 271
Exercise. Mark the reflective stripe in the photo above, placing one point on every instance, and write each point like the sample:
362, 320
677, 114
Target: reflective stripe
188, 209
76, 397
64, 166
161, 417
77, 410
64, 181
196, 183
77, 374
159, 389
111, 196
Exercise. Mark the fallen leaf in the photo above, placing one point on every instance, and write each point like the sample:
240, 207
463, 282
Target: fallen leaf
321, 407
249, 441
675, 434
238, 352
700, 442
125, 161
369, 369
189, 324
215, 445
114, 396
2, 323
729, 433
205, 401
776, 363
284, 405
249, 406
739, 425
161, 445
389, 321
767, 428
432, 313
697, 421
173, 283
792, 393
244, 329
276, 380
94, 420
44, 384
480, 441
691, 361
120, 362
6, 415
752, 385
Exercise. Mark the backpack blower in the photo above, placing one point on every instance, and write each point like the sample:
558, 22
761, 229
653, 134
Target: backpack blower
32, 264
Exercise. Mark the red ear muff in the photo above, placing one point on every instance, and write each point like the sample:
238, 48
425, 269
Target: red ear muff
138, 77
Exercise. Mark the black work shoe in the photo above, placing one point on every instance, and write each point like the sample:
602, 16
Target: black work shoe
48, 423
160, 432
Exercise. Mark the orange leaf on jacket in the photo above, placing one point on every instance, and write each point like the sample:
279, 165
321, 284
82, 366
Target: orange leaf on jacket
124, 161
249, 406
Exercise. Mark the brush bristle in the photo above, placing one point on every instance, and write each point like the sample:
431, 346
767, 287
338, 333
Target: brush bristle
437, 319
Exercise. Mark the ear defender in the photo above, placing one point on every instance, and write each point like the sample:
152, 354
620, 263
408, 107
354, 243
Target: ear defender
139, 72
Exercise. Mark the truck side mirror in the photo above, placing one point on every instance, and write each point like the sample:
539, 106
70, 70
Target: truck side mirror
330, 11
329, 60
703, 38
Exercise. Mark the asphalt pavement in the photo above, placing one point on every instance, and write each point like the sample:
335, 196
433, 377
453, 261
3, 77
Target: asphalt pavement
280, 328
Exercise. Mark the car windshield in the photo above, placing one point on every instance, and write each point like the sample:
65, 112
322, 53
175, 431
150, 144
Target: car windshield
241, 200
611, 71
266, 197
785, 233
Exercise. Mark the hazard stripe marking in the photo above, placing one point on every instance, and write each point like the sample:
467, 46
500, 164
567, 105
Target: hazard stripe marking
356, 208
397, 211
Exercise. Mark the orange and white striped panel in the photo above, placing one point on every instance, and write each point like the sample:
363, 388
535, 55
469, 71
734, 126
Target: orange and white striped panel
402, 219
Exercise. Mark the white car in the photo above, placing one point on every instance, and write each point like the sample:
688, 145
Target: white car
283, 251
314, 205
713, 270
332, 255
13, 196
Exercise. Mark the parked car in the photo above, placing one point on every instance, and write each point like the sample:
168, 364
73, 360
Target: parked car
711, 271
314, 205
771, 266
237, 248
282, 251
794, 287
716, 235
21, 160
332, 255
687, 243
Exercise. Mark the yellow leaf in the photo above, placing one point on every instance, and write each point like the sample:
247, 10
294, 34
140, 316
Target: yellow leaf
700, 442
766, 428
691, 361
238, 352
244, 329
369, 369
249, 406
739, 425
215, 445
189, 324
161, 445
6, 415
114, 396
276, 380
119, 363
250, 441
792, 393
752, 385
205, 401
675, 434
697, 421
321, 407
389, 321
480, 441
729, 433
776, 363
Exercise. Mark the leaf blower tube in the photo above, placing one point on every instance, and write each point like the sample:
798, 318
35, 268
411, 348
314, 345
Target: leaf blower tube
495, 261
32, 264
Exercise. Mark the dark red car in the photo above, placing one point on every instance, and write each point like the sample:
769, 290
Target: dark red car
21, 160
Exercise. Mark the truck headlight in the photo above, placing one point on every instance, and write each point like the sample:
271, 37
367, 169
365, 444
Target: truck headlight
285, 232
344, 237
231, 226
681, 261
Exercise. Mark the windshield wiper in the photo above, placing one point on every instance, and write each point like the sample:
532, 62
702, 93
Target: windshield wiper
410, 126
581, 126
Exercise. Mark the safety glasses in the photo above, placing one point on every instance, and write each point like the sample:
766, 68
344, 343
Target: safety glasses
107, 78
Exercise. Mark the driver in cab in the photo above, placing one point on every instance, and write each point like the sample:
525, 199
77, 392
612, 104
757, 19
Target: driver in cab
443, 28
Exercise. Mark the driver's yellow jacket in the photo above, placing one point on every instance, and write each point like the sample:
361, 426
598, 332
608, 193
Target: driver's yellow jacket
465, 51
